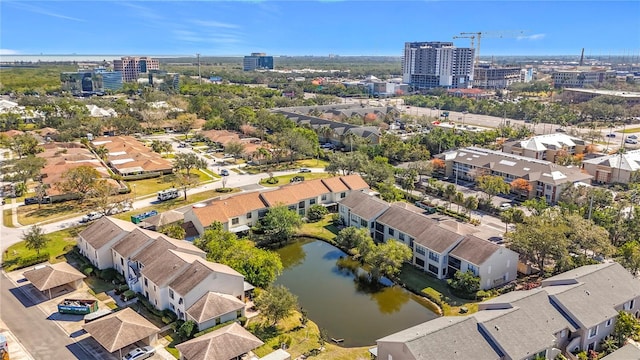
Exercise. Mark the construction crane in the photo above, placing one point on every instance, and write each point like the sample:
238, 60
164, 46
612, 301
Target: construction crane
489, 34
472, 37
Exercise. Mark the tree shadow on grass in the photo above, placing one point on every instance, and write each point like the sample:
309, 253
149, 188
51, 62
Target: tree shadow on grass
265, 332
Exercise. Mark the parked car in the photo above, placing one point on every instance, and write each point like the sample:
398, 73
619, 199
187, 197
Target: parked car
224, 172
297, 179
34, 200
611, 135
140, 353
634, 137
91, 216
505, 206
304, 170
630, 141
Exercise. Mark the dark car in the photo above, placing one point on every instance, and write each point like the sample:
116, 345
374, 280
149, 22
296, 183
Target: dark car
34, 200
611, 135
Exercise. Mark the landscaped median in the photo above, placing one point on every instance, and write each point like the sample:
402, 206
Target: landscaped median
286, 179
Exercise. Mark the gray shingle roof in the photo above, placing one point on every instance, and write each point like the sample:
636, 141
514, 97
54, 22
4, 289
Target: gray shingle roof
526, 329
363, 205
629, 161
475, 250
105, 229
121, 329
592, 293
425, 231
134, 242
50, 276
627, 352
225, 343
196, 272
212, 305
445, 338
517, 166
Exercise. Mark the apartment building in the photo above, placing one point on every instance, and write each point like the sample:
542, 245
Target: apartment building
547, 179
427, 65
546, 147
257, 61
172, 274
132, 66
571, 312
239, 212
617, 168
574, 96
580, 77
437, 249
493, 77
128, 156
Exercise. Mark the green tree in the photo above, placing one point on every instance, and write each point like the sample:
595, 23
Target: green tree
357, 241
234, 148
449, 192
540, 238
280, 223
161, 146
189, 161
316, 212
626, 327
79, 181
586, 236
511, 216
492, 185
466, 284
629, 256
102, 152
276, 303
24, 145
387, 258
174, 231
184, 123
187, 330
470, 203
186, 182
25, 169
458, 199
536, 205
35, 239
126, 124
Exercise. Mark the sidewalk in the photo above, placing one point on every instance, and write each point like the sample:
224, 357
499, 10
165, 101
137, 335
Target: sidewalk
16, 350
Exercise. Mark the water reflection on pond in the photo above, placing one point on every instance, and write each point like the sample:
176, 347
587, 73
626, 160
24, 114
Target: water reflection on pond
328, 287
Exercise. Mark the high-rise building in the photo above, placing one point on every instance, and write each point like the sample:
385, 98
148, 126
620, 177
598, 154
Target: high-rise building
257, 61
132, 66
87, 82
427, 65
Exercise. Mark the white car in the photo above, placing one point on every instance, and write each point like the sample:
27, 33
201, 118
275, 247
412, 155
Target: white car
505, 206
140, 353
91, 216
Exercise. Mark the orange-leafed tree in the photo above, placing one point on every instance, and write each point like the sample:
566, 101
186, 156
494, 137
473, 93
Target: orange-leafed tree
521, 186
438, 164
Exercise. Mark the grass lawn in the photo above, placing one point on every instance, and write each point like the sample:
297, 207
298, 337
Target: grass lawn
7, 219
312, 163
628, 131
322, 229
60, 242
284, 179
99, 287
176, 203
152, 186
419, 281
302, 339
31, 214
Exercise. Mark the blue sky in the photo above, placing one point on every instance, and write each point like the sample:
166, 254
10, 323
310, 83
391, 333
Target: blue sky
347, 27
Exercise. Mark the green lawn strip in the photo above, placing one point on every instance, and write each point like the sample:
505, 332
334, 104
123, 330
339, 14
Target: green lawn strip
153, 185
628, 131
322, 229
175, 203
32, 214
312, 163
419, 282
7, 218
99, 287
303, 339
60, 242
284, 179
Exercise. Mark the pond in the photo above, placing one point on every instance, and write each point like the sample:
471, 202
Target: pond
336, 299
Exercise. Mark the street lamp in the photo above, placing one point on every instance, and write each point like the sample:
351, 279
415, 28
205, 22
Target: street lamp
134, 192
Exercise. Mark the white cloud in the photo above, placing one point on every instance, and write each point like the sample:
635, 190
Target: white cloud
214, 24
532, 37
43, 11
9, 52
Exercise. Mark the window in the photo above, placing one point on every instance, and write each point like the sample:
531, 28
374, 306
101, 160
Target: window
609, 322
433, 256
324, 197
593, 331
391, 232
292, 207
419, 262
343, 195
238, 313
145, 282
173, 307
411, 242
171, 293
235, 221
248, 215
433, 269
420, 250
379, 227
400, 236
218, 321
473, 269
363, 223
301, 212
312, 202
180, 301
301, 204
122, 261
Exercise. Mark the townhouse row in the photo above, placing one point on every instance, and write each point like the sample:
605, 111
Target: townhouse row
239, 212
172, 274
571, 312
439, 248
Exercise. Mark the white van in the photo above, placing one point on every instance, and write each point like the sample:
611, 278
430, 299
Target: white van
168, 194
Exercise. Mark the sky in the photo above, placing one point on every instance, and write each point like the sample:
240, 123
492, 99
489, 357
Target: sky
319, 27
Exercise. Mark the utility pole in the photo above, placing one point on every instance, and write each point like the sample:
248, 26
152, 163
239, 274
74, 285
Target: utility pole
199, 74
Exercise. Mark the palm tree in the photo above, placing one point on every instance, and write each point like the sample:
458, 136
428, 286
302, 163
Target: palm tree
449, 193
351, 137
326, 132
458, 198
102, 152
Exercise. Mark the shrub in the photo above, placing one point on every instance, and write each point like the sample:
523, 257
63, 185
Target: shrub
336, 219
465, 284
316, 212
272, 181
169, 314
481, 294
166, 320
129, 294
108, 274
32, 260
242, 320
224, 190
88, 271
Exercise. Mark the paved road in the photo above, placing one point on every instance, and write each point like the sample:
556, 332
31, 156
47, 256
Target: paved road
41, 337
